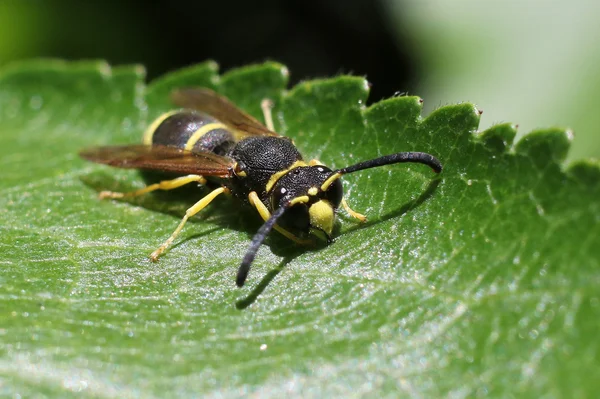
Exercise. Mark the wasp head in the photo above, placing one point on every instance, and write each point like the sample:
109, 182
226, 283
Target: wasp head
313, 197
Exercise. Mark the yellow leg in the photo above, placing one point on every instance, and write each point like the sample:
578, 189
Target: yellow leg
266, 106
265, 214
197, 207
352, 213
163, 185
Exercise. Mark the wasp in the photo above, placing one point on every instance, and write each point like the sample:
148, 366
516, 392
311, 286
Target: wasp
211, 142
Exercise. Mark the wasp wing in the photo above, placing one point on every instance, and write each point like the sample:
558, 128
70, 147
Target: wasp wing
163, 158
219, 107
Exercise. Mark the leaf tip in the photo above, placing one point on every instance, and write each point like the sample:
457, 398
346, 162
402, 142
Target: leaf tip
268, 75
406, 108
356, 88
367, 86
587, 172
499, 137
285, 72
546, 146
460, 118
203, 74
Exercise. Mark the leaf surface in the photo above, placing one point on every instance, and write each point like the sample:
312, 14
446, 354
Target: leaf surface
482, 282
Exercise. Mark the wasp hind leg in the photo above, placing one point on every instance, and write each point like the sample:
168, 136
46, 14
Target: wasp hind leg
197, 207
163, 185
266, 106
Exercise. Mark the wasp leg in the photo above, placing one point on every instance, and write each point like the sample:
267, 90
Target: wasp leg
163, 185
353, 213
197, 207
265, 214
266, 106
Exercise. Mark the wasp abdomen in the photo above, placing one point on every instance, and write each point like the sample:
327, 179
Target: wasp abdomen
191, 130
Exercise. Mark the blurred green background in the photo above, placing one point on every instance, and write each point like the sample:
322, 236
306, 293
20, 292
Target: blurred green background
530, 62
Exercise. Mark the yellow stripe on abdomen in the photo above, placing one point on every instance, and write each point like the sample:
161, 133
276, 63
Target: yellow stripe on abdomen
209, 127
149, 132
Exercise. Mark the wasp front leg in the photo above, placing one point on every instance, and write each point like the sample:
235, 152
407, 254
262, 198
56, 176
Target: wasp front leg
362, 218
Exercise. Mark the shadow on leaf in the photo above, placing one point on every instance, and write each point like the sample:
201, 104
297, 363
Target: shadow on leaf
260, 287
425, 195
175, 202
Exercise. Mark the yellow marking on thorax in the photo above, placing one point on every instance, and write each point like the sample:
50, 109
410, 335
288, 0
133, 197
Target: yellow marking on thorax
201, 132
149, 132
278, 175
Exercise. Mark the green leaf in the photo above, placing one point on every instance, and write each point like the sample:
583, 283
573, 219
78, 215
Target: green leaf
482, 282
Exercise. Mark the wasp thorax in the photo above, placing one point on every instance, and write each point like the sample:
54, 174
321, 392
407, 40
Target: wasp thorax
313, 209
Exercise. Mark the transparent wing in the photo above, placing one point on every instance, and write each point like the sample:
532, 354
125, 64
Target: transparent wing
157, 157
219, 107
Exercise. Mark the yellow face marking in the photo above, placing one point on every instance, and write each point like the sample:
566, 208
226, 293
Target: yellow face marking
322, 216
278, 175
147, 138
201, 132
313, 191
330, 180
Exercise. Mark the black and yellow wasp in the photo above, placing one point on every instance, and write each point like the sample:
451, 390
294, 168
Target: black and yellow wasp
212, 142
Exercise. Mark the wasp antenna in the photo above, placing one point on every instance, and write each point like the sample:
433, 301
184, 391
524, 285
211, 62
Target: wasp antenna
257, 240
415, 157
